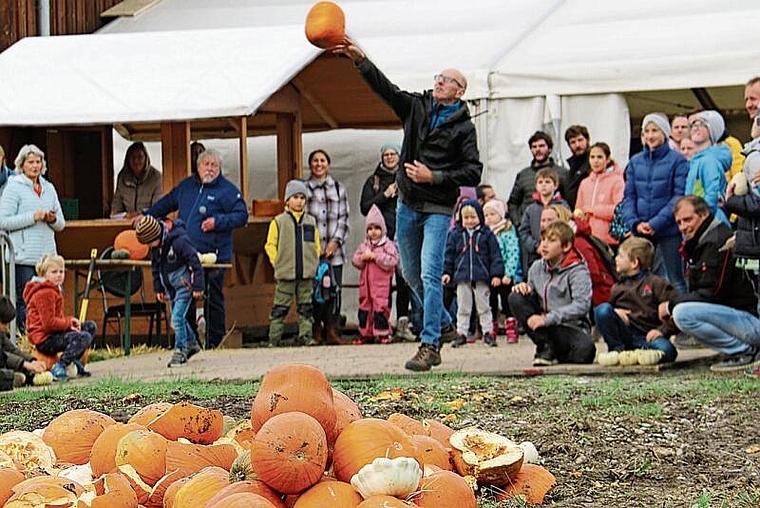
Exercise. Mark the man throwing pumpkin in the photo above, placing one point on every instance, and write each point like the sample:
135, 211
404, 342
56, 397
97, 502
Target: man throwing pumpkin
439, 154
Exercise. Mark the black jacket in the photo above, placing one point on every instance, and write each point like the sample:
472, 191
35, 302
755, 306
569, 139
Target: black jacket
175, 251
450, 150
747, 207
373, 193
578, 170
525, 185
712, 275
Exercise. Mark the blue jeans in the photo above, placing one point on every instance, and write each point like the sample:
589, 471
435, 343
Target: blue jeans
181, 300
421, 244
24, 274
668, 262
620, 336
725, 329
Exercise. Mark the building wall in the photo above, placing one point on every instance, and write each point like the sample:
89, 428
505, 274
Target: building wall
18, 18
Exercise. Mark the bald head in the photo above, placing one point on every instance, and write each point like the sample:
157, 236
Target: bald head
449, 87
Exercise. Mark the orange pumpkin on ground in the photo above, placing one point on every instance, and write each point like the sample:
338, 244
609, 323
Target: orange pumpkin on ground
431, 452
365, 440
325, 25
346, 411
289, 452
170, 492
251, 487
386, 502
445, 488
145, 451
201, 487
72, 434
150, 412
194, 423
103, 452
9, 478
335, 494
407, 424
532, 482
438, 431
190, 458
241, 500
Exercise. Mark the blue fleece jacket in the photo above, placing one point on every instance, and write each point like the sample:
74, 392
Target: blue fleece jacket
196, 202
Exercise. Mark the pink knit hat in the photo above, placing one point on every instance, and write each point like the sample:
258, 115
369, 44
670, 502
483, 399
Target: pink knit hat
498, 206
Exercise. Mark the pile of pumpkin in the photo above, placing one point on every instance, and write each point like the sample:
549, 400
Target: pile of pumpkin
306, 445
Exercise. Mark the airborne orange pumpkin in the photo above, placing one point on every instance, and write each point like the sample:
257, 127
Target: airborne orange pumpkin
289, 452
325, 25
72, 434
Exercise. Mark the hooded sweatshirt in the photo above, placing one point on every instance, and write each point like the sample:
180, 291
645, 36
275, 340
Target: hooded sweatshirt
375, 276
472, 255
44, 307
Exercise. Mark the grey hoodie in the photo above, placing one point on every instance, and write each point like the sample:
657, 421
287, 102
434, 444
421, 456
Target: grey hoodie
564, 290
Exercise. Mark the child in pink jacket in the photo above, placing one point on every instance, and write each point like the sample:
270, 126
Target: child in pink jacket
600, 192
377, 258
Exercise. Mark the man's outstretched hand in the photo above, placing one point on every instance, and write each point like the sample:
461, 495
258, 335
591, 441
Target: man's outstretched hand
350, 49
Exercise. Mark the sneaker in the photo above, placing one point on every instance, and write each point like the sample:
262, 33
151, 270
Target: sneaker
19, 380
739, 361
59, 372
540, 361
81, 371
404, 331
425, 357
43, 378
193, 349
460, 341
386, 340
752, 372
489, 339
448, 334
685, 341
179, 358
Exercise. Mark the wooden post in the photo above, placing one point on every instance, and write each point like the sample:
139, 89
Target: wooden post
243, 142
289, 156
175, 151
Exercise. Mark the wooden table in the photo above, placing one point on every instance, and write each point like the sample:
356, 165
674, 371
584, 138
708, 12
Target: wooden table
80, 267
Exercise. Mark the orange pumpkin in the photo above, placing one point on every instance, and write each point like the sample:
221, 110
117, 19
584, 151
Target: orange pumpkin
346, 411
445, 488
365, 440
386, 502
194, 423
407, 424
532, 482
252, 487
190, 458
334, 494
9, 478
431, 452
72, 434
103, 452
150, 412
242, 500
289, 452
201, 487
325, 25
127, 240
113, 491
169, 492
43, 490
295, 387
145, 451
438, 431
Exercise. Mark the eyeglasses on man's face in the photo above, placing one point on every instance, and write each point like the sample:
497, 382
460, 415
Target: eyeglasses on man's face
447, 79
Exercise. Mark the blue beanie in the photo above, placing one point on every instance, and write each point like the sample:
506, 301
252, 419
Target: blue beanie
393, 146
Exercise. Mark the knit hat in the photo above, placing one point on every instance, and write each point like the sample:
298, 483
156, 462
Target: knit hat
148, 230
375, 218
295, 187
393, 146
715, 124
497, 205
660, 120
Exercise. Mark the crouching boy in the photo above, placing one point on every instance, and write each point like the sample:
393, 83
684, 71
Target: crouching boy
17, 367
553, 305
293, 249
630, 320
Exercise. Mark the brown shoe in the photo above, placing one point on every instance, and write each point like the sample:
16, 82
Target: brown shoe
425, 357
316, 334
333, 337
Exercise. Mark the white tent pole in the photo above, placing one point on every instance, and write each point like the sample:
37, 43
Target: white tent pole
43, 18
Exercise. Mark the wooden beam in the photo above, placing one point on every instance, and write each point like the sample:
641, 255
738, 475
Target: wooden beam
106, 155
315, 103
128, 8
175, 151
243, 142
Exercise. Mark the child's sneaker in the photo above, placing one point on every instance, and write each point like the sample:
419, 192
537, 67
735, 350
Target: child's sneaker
461, 340
193, 349
489, 340
362, 340
81, 371
179, 358
19, 379
494, 328
59, 372
404, 330
386, 340
510, 330
42, 378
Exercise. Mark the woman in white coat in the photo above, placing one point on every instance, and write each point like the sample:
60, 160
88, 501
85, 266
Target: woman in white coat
31, 213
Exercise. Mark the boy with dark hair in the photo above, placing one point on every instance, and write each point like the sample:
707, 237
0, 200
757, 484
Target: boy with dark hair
177, 276
529, 230
630, 320
553, 305
17, 368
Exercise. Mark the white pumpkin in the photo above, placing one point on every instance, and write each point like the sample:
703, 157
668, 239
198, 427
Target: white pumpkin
530, 453
628, 358
649, 356
397, 477
608, 359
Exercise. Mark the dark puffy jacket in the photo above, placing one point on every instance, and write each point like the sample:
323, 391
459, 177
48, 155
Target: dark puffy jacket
712, 275
655, 180
475, 258
175, 251
747, 207
450, 151
525, 185
578, 170
373, 193
196, 202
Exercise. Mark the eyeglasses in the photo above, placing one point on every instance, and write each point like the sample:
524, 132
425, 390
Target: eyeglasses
390, 154
697, 124
447, 80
